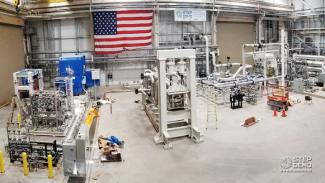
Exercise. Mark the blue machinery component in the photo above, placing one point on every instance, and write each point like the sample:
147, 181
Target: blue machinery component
27, 82
114, 140
74, 66
91, 79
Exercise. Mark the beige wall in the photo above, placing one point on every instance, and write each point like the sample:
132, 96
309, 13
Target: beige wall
231, 36
11, 58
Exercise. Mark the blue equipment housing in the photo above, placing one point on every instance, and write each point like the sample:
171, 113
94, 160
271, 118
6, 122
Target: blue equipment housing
89, 79
77, 64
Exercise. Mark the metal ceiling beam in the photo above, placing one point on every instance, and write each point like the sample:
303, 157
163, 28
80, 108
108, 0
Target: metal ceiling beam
6, 7
252, 7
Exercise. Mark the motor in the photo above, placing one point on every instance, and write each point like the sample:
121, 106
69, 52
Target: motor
236, 96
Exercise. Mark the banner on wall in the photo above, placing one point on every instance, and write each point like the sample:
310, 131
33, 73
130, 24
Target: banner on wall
185, 15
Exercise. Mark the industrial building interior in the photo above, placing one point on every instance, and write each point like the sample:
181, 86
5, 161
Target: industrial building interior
162, 91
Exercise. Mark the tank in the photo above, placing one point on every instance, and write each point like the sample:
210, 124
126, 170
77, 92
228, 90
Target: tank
74, 65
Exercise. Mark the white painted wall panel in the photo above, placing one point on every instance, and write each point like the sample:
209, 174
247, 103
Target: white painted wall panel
284, 2
68, 29
299, 5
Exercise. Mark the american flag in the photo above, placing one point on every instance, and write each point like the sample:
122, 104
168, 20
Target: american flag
117, 31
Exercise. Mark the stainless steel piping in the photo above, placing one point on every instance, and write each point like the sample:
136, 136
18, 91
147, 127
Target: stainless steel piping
207, 62
238, 82
143, 49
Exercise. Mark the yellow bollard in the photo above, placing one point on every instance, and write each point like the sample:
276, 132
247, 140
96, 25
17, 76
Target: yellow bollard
2, 163
49, 166
19, 119
25, 163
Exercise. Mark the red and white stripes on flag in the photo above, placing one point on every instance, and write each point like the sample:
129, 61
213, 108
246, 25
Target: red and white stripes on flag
118, 31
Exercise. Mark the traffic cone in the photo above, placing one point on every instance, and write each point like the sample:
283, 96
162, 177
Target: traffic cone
275, 112
284, 112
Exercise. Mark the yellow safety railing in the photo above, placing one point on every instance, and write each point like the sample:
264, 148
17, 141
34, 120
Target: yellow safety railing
92, 113
2, 163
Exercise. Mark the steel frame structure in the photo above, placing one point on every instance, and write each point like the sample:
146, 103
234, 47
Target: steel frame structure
252, 6
167, 118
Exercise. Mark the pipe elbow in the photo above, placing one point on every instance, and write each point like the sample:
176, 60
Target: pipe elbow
206, 39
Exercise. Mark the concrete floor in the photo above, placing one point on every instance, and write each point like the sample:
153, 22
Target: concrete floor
231, 153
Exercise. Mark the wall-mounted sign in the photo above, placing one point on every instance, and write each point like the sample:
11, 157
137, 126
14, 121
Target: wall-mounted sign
190, 15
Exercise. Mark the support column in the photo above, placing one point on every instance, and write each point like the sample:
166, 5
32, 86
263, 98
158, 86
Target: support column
156, 28
194, 123
259, 28
282, 33
214, 28
160, 137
